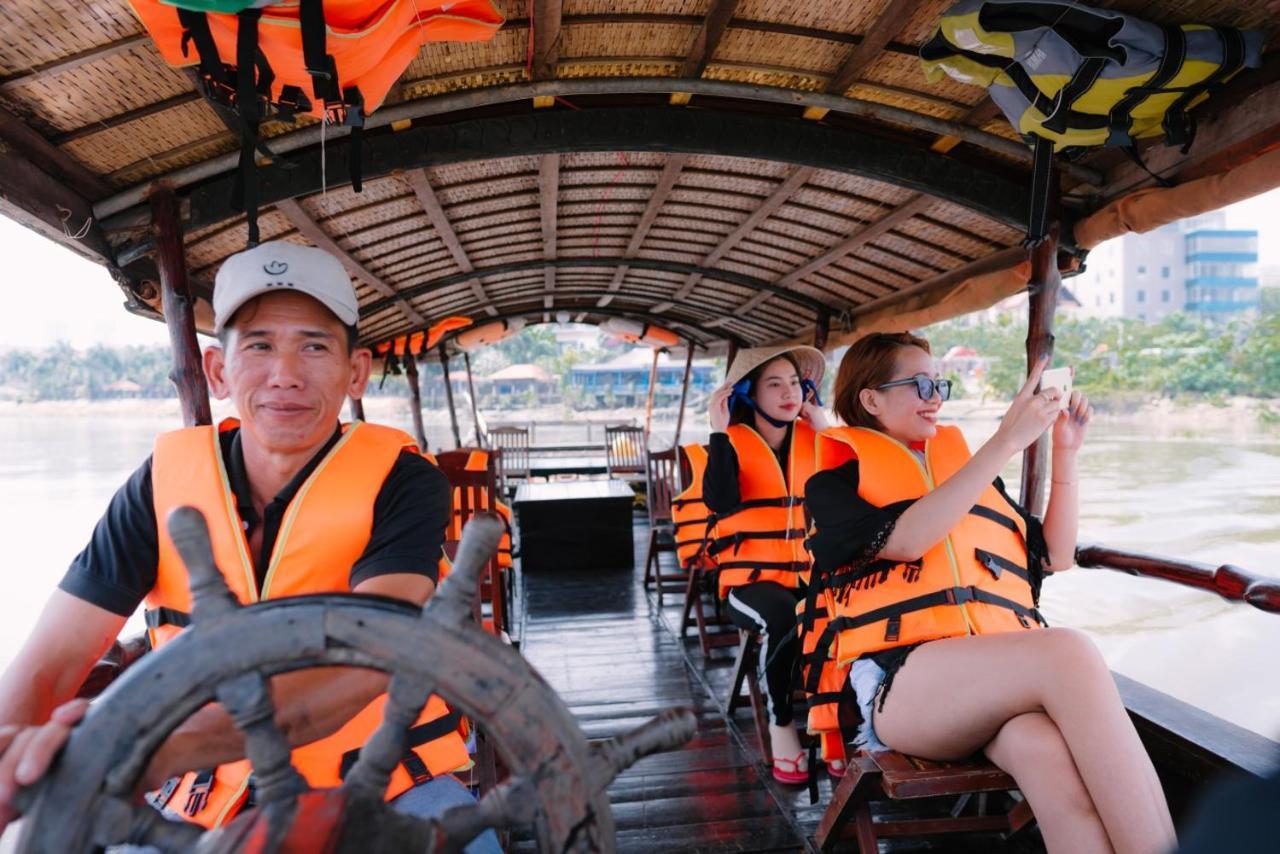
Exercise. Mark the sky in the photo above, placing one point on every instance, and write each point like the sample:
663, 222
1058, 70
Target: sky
41, 274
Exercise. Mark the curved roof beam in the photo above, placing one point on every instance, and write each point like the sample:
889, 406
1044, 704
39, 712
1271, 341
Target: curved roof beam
727, 276
659, 129
477, 98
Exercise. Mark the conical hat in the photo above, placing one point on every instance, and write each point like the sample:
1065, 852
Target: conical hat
812, 363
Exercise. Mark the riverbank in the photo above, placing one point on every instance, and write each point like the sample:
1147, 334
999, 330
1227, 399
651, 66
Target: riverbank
1238, 416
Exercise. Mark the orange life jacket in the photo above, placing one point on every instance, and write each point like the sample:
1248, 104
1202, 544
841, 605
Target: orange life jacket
763, 538
974, 581
690, 514
824, 678
478, 460
325, 529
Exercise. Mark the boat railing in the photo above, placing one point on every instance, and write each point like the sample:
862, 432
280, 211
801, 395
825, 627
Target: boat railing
1228, 581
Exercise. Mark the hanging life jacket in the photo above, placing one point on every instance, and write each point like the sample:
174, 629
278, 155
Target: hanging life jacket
325, 529
334, 60
1069, 77
762, 539
690, 515
974, 581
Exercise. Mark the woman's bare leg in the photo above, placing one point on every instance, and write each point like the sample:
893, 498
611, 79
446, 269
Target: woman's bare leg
953, 696
1030, 748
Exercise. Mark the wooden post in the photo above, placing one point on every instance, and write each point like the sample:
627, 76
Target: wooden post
684, 395
415, 397
179, 309
448, 393
1043, 302
357, 409
820, 331
648, 404
475, 408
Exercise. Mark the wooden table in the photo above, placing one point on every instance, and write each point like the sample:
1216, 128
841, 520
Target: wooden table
545, 465
578, 524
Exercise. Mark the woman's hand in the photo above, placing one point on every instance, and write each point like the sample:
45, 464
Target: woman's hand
1030, 414
1072, 424
719, 409
815, 415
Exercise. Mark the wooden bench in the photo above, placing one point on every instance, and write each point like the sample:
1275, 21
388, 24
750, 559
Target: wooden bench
886, 775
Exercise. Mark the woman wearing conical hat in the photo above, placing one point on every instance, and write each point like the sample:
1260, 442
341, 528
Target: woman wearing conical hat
764, 422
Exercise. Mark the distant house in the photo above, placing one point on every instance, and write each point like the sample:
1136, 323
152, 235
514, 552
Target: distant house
122, 388
515, 383
624, 381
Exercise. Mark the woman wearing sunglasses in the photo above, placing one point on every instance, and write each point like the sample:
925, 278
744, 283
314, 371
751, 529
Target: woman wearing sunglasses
764, 421
932, 574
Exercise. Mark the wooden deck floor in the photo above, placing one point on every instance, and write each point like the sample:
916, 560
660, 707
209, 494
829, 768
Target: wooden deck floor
616, 659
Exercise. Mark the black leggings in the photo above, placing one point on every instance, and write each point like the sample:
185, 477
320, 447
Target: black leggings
769, 610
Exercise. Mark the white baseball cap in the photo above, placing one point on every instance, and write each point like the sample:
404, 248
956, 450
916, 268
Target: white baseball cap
277, 265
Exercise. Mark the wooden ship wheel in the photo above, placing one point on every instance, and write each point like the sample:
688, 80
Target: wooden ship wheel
557, 784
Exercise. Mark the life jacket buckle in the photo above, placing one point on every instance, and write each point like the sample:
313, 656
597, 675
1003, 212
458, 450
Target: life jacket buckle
198, 794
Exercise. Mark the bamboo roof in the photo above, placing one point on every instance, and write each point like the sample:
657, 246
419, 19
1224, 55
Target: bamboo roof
743, 171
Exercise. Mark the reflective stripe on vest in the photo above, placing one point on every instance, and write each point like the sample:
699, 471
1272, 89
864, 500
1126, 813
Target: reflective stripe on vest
323, 532
974, 581
766, 529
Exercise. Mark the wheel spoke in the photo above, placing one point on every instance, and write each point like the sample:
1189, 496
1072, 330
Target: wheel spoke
380, 755
247, 698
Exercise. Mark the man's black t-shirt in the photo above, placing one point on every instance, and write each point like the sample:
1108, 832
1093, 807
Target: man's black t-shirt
118, 566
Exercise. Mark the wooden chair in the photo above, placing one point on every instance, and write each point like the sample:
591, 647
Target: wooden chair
887, 775
475, 492
624, 449
512, 447
661, 484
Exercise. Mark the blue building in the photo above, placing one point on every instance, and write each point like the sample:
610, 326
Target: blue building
1222, 271
624, 381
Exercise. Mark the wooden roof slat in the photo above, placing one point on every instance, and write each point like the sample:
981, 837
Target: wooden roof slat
124, 118
779, 197
311, 230
75, 60
546, 38
549, 201
666, 182
893, 17
981, 113
55, 163
708, 38
421, 186
917, 204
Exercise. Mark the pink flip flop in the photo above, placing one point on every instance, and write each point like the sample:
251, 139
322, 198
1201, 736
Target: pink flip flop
795, 776
837, 768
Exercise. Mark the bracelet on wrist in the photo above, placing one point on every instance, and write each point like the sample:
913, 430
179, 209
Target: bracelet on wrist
1065, 482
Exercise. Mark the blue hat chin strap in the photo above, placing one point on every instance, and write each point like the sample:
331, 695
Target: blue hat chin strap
742, 394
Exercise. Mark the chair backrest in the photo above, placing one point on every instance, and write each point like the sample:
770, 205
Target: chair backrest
473, 491
624, 450
662, 484
514, 444
686, 470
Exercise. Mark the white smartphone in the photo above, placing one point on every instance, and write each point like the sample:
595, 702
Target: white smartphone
1059, 378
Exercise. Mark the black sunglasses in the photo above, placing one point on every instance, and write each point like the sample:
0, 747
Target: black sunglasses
925, 386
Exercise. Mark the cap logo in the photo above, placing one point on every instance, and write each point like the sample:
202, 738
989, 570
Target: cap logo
275, 268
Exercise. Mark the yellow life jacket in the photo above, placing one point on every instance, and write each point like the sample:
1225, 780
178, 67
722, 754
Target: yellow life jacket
690, 514
325, 529
762, 539
974, 581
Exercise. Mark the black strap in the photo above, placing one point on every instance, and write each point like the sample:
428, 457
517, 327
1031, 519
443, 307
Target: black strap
354, 103
779, 566
1179, 127
995, 516
418, 736
1041, 190
212, 70
157, 617
737, 538
1171, 62
996, 564
824, 698
246, 198
1085, 76
946, 596
315, 55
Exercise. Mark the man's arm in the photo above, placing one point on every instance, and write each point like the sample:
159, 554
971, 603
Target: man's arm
310, 704
69, 638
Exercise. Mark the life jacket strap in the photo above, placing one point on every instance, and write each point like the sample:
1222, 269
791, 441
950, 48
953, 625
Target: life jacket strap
995, 516
162, 616
1171, 62
763, 566
417, 736
997, 564
737, 538
939, 598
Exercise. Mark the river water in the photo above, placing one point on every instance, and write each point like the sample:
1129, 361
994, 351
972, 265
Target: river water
1188, 496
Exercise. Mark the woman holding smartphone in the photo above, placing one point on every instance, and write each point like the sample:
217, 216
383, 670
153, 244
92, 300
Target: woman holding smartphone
934, 575
764, 420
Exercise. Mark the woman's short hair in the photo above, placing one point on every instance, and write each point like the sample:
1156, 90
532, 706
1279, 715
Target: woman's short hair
741, 413
870, 362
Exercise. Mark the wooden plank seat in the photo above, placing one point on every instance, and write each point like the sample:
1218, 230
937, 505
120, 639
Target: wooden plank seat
888, 775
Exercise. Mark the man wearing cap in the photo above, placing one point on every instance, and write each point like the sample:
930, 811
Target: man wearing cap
296, 503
